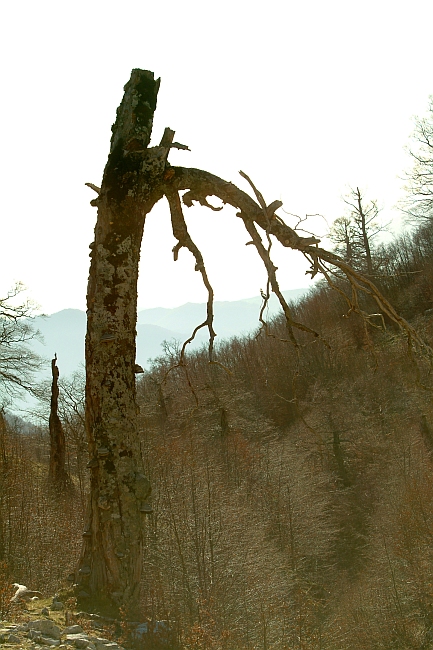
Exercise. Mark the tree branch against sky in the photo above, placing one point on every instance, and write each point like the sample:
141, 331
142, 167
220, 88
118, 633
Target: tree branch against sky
302, 145
355, 233
18, 362
418, 204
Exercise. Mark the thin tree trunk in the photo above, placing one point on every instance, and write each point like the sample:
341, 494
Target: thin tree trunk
365, 239
57, 474
111, 559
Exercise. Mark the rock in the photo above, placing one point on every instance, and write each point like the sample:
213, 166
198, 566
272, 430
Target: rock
46, 627
14, 628
46, 641
73, 629
13, 639
105, 644
57, 606
80, 640
45, 611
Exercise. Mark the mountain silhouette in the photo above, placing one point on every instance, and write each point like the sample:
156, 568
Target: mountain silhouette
64, 331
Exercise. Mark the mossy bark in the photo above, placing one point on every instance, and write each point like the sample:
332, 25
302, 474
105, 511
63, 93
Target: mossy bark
111, 559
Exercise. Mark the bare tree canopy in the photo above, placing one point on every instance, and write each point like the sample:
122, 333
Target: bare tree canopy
418, 205
354, 233
18, 362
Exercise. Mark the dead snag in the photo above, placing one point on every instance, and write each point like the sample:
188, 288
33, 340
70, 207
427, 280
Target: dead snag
136, 176
57, 474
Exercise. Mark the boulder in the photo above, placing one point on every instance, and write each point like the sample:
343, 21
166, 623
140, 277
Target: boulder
46, 627
13, 639
57, 606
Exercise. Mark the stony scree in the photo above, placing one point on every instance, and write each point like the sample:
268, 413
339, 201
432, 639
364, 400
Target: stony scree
43, 633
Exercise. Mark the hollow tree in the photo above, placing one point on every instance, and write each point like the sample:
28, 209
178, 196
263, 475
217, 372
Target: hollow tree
136, 176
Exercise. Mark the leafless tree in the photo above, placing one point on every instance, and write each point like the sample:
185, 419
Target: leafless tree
354, 233
418, 205
18, 362
136, 177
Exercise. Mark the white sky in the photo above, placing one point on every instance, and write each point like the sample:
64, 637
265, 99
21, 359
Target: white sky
305, 97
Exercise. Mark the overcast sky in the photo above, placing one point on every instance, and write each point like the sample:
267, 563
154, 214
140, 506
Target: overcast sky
307, 98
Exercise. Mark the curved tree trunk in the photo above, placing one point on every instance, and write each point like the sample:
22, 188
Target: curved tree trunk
111, 558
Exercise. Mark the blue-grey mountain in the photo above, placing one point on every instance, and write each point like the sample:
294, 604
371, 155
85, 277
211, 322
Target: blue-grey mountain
64, 331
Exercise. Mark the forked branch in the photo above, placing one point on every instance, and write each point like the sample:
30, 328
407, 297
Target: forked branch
201, 184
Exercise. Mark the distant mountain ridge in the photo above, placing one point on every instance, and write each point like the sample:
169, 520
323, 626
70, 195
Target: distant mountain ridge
231, 317
64, 331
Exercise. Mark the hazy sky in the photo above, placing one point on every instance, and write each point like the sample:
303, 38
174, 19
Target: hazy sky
305, 97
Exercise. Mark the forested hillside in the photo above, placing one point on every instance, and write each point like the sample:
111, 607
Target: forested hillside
292, 488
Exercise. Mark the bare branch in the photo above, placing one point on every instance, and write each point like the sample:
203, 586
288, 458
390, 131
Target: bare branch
177, 145
180, 232
271, 271
200, 184
93, 187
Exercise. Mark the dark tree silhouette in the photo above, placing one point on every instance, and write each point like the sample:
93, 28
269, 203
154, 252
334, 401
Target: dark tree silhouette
57, 474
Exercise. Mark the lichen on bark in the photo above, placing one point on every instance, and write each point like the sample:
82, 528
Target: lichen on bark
135, 178
111, 558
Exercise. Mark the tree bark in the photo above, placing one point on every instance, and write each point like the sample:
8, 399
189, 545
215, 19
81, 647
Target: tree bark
111, 558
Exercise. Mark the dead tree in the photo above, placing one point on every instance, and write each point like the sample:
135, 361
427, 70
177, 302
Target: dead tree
135, 178
57, 474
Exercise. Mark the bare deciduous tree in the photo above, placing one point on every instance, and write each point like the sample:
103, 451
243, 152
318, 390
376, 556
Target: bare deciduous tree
418, 205
18, 362
353, 234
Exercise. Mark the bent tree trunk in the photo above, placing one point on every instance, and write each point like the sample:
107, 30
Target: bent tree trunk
111, 558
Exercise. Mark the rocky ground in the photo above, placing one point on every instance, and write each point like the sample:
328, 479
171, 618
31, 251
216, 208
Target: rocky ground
42, 623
